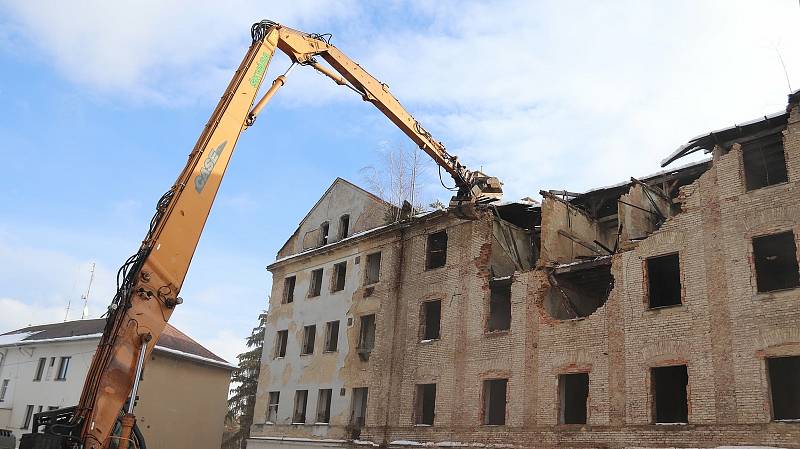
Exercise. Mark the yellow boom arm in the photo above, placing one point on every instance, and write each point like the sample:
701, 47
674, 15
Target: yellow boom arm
150, 281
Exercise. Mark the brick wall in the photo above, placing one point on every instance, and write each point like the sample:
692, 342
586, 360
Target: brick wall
722, 330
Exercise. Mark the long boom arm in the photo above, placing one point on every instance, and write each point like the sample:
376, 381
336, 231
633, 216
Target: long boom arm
150, 281
303, 48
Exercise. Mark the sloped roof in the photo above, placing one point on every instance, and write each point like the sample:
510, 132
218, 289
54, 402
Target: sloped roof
171, 341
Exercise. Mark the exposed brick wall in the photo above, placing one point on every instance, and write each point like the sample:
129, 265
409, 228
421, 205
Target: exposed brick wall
722, 330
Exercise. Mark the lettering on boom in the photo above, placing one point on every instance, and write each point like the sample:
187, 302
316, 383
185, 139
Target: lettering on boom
261, 67
208, 165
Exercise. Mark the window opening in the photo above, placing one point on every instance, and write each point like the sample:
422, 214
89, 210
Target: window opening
784, 387
669, 394
280, 343
494, 396
573, 392
288, 289
775, 259
315, 286
331, 336
309, 333
437, 250
366, 336
431, 315
373, 271
426, 404
663, 281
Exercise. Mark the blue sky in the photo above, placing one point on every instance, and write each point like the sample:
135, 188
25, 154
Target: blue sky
100, 103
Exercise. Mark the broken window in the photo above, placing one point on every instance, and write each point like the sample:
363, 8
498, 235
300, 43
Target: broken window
784, 387
358, 414
344, 226
323, 233
426, 404
663, 281
331, 336
366, 336
288, 289
436, 255
764, 162
324, 406
280, 343
430, 318
499, 305
309, 334
315, 286
578, 290
494, 402
373, 271
670, 403
272, 407
573, 391
775, 259
339, 275
300, 401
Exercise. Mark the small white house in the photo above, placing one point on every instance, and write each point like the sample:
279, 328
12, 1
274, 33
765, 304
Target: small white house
44, 368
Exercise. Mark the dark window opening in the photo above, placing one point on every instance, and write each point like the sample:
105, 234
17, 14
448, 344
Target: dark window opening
430, 319
40, 369
764, 162
358, 413
663, 281
670, 404
437, 250
366, 337
324, 406
344, 226
309, 334
272, 407
578, 292
323, 233
300, 401
288, 289
784, 387
775, 258
499, 306
280, 343
373, 271
339, 275
494, 402
573, 392
426, 404
331, 336
315, 286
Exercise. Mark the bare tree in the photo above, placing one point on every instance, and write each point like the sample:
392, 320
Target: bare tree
396, 179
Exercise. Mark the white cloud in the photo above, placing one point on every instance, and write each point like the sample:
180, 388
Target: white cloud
164, 51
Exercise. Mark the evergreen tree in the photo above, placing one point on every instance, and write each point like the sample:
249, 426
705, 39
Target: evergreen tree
245, 378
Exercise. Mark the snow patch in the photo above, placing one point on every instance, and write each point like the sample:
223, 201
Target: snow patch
11, 339
195, 357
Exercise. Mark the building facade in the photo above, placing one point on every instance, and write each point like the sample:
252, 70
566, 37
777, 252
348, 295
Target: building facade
182, 396
660, 312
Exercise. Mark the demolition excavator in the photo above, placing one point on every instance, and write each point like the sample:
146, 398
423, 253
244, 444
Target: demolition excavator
149, 282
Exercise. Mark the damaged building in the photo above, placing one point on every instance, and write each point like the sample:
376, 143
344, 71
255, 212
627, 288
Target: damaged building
660, 312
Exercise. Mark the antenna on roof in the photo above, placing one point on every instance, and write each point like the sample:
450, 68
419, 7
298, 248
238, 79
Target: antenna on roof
785, 72
85, 312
